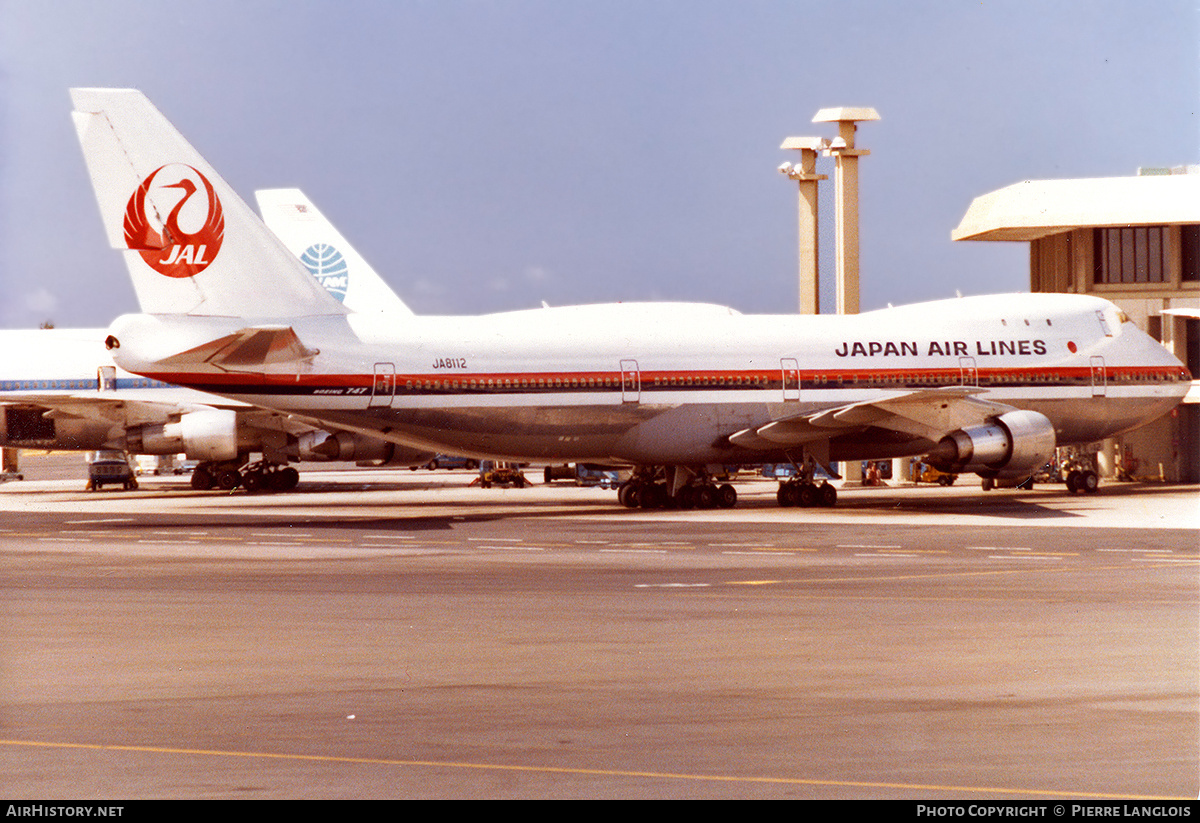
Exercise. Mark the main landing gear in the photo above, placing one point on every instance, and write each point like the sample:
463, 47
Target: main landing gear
806, 494
652, 490
1085, 480
253, 477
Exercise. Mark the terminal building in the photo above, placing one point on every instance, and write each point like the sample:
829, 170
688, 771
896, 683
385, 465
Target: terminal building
1132, 240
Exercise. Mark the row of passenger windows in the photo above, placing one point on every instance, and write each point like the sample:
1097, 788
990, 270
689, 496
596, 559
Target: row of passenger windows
64, 385
857, 379
515, 384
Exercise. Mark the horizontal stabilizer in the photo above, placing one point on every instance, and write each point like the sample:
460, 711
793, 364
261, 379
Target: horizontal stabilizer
256, 349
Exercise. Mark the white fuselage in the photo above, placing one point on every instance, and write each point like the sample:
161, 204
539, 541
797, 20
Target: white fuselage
668, 384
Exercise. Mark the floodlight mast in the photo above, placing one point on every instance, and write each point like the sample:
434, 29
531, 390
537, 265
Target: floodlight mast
846, 154
805, 173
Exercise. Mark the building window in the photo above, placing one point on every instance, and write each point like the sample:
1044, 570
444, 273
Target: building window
1189, 237
1136, 254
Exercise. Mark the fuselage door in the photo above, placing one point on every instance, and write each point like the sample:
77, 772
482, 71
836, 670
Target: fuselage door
383, 387
790, 372
106, 378
1099, 377
631, 382
967, 371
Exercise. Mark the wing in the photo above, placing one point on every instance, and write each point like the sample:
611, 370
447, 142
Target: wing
130, 408
928, 413
115, 416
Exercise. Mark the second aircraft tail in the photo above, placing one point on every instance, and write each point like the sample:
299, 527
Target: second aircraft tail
326, 253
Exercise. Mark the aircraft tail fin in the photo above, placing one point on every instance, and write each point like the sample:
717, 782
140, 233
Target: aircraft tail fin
326, 253
191, 244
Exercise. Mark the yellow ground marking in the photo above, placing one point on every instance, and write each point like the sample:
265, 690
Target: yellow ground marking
452, 764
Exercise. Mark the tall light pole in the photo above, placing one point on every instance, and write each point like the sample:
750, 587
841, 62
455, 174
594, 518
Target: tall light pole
805, 173
846, 154
844, 151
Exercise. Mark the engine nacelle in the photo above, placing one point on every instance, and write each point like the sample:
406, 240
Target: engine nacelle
361, 449
209, 434
1013, 445
324, 446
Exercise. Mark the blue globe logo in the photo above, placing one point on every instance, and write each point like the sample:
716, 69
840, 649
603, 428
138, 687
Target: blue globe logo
329, 267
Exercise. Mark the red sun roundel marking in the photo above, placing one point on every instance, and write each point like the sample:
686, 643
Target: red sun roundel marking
176, 225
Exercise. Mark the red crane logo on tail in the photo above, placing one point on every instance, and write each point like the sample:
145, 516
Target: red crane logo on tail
165, 242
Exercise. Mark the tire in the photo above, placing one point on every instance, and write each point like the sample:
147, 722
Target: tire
228, 479
806, 495
653, 496
1088, 482
202, 481
827, 495
784, 496
1073, 482
726, 496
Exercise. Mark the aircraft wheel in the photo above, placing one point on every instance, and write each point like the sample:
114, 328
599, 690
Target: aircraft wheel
228, 479
1088, 482
627, 495
784, 495
685, 498
290, 478
253, 481
806, 495
653, 496
726, 496
827, 496
201, 479
987, 484
706, 497
1073, 482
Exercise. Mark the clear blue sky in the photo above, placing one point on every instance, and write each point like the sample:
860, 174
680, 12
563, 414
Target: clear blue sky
491, 155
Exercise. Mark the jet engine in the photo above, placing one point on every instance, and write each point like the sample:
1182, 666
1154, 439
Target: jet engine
209, 434
1015, 444
365, 451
